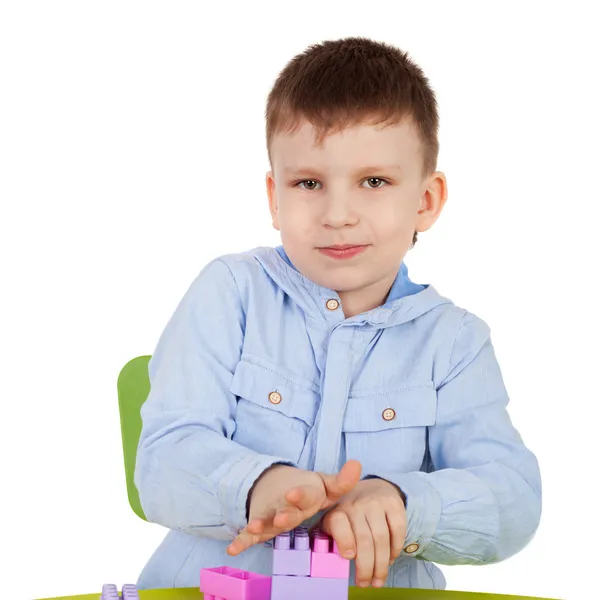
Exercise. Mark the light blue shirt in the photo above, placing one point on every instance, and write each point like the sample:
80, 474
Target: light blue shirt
411, 389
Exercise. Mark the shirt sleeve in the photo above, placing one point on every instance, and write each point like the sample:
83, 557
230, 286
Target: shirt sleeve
482, 501
190, 474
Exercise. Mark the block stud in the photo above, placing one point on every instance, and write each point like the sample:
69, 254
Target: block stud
282, 542
301, 539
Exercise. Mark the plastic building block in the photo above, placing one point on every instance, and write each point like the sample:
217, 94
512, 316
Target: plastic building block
286, 587
110, 592
129, 592
326, 560
234, 584
291, 553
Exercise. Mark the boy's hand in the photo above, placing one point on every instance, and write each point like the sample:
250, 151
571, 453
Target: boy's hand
284, 497
369, 524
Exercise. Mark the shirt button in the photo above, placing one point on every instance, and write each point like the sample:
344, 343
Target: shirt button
332, 304
274, 397
411, 548
388, 414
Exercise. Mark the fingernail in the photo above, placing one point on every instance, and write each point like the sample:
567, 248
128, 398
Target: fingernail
349, 554
378, 583
363, 584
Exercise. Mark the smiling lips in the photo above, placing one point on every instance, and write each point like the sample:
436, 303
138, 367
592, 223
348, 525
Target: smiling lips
342, 251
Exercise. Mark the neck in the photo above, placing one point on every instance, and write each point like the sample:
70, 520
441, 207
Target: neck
360, 301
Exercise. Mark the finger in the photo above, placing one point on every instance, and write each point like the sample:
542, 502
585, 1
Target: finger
337, 525
288, 518
260, 522
380, 532
303, 503
257, 525
243, 541
343, 482
305, 497
365, 551
255, 532
396, 520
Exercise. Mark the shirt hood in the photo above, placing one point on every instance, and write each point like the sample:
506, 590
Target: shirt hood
406, 301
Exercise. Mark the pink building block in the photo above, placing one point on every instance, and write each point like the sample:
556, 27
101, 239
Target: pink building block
291, 553
286, 587
326, 561
228, 583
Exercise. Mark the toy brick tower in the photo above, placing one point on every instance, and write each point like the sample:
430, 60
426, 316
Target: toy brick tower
301, 572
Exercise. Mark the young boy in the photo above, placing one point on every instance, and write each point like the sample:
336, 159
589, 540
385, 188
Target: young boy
315, 382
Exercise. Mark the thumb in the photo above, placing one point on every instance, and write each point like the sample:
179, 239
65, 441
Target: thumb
343, 482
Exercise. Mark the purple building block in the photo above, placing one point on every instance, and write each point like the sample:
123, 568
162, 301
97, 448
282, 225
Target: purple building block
326, 561
291, 553
228, 583
129, 592
286, 587
110, 592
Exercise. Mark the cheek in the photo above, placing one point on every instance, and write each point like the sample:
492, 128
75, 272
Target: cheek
402, 213
295, 218
393, 224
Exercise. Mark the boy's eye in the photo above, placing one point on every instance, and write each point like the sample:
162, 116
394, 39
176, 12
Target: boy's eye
377, 180
305, 181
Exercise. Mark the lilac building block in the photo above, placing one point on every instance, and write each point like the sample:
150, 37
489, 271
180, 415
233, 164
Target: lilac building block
287, 587
291, 553
234, 584
109, 592
326, 560
129, 592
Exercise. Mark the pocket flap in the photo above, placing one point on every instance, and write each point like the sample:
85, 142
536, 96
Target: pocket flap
273, 391
412, 406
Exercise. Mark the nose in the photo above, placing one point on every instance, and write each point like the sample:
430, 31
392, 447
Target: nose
338, 212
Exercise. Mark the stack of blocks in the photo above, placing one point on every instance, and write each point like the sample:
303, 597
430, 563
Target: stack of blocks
110, 592
300, 573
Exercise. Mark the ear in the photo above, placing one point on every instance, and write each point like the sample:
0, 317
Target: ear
272, 195
433, 200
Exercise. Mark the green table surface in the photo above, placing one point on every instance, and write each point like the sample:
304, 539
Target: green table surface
354, 594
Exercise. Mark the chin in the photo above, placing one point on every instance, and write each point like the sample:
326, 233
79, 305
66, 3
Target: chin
341, 282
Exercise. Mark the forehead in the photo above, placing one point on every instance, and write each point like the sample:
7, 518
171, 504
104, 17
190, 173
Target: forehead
391, 147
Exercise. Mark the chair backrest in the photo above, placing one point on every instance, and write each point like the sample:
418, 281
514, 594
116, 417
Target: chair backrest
133, 387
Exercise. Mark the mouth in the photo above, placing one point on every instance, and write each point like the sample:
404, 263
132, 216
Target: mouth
343, 250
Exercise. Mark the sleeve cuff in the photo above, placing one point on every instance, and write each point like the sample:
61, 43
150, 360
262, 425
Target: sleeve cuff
423, 509
235, 487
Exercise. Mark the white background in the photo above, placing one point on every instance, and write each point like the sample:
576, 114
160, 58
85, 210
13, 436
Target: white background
132, 152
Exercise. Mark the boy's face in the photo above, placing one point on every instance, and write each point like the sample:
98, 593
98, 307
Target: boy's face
362, 188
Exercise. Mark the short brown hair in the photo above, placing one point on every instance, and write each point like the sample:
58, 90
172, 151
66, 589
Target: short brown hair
349, 81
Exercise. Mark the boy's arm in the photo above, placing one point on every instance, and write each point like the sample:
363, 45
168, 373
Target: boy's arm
482, 503
190, 475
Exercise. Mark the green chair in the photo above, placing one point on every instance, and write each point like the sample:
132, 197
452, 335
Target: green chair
133, 387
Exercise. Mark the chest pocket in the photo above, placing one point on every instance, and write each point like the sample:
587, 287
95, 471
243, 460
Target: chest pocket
387, 431
274, 413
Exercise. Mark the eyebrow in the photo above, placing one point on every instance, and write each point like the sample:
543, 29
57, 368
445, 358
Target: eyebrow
359, 171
